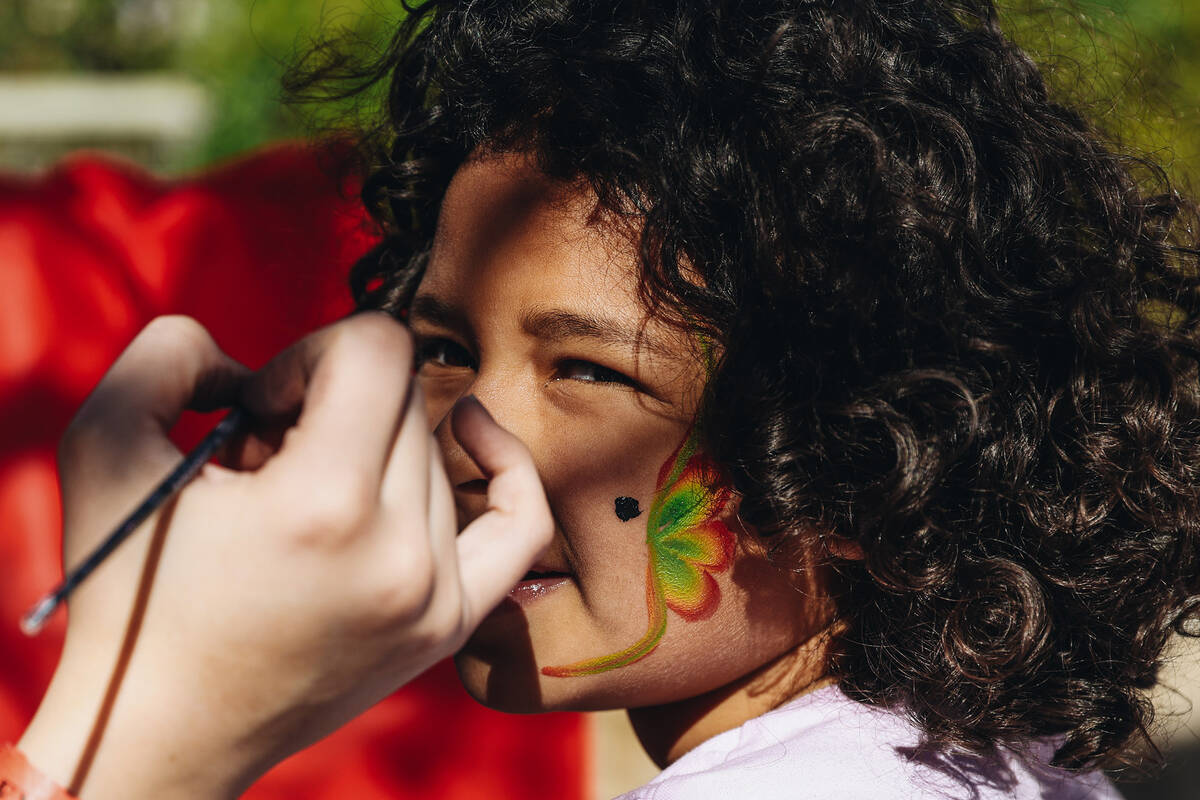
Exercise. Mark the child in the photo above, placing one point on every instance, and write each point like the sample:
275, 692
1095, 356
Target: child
857, 373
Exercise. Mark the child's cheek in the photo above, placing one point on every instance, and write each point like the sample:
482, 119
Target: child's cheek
688, 545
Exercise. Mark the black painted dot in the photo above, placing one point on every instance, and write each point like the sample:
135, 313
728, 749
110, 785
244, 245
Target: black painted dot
627, 508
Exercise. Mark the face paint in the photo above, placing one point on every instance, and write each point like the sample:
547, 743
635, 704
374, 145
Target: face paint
627, 508
687, 543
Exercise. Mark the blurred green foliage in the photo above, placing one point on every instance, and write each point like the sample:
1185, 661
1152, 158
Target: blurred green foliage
237, 49
1134, 63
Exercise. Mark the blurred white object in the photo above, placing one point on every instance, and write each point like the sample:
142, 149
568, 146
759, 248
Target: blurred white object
1177, 697
43, 115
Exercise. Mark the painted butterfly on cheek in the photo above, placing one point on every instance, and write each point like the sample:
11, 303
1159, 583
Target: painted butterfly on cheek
688, 543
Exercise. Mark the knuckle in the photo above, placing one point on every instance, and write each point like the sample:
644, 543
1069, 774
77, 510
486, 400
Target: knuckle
176, 339
544, 526
378, 336
446, 620
539, 519
176, 331
335, 512
410, 592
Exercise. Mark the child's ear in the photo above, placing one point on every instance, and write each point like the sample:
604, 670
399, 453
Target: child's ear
729, 515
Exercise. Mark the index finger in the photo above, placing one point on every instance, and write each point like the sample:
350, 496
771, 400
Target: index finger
122, 427
350, 384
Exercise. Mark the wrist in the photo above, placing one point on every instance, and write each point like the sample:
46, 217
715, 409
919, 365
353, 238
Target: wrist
124, 748
20, 778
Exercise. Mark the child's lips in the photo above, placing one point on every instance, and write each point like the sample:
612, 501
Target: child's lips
537, 584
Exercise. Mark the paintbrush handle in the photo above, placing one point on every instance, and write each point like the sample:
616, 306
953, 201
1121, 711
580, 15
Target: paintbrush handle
234, 421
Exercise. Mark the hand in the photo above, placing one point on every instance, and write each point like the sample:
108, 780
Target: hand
284, 594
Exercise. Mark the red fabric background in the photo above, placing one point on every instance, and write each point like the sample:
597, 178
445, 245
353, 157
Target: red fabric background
257, 251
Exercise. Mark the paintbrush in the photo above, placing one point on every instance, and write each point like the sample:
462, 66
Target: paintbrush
33, 622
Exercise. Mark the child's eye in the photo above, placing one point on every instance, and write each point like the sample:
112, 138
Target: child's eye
590, 373
443, 353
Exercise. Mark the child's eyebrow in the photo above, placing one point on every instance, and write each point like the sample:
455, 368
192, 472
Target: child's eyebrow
555, 324
550, 324
430, 309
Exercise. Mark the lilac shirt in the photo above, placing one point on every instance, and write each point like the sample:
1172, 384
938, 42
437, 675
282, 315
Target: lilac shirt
825, 746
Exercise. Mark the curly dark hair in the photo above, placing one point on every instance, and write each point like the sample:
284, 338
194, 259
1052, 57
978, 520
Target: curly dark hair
957, 325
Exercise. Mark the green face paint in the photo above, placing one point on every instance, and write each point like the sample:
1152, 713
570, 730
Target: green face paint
687, 543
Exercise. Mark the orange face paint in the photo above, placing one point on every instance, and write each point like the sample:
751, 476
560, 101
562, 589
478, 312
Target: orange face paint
687, 543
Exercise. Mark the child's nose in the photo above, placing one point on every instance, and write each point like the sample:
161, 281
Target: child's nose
512, 409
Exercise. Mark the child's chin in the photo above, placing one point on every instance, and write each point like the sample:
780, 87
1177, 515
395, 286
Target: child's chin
521, 688
499, 685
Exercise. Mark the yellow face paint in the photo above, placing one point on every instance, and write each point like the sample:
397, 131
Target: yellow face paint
687, 543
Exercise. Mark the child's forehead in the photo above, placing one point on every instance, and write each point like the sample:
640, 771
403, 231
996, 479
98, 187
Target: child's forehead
515, 179
542, 250
503, 220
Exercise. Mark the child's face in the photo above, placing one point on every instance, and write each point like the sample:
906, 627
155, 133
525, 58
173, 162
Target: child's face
534, 310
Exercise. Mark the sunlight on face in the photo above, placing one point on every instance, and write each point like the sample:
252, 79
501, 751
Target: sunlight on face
531, 305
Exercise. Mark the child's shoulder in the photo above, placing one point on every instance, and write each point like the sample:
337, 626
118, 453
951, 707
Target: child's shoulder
825, 745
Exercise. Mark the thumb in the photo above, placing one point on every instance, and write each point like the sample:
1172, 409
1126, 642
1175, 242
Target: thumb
499, 546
